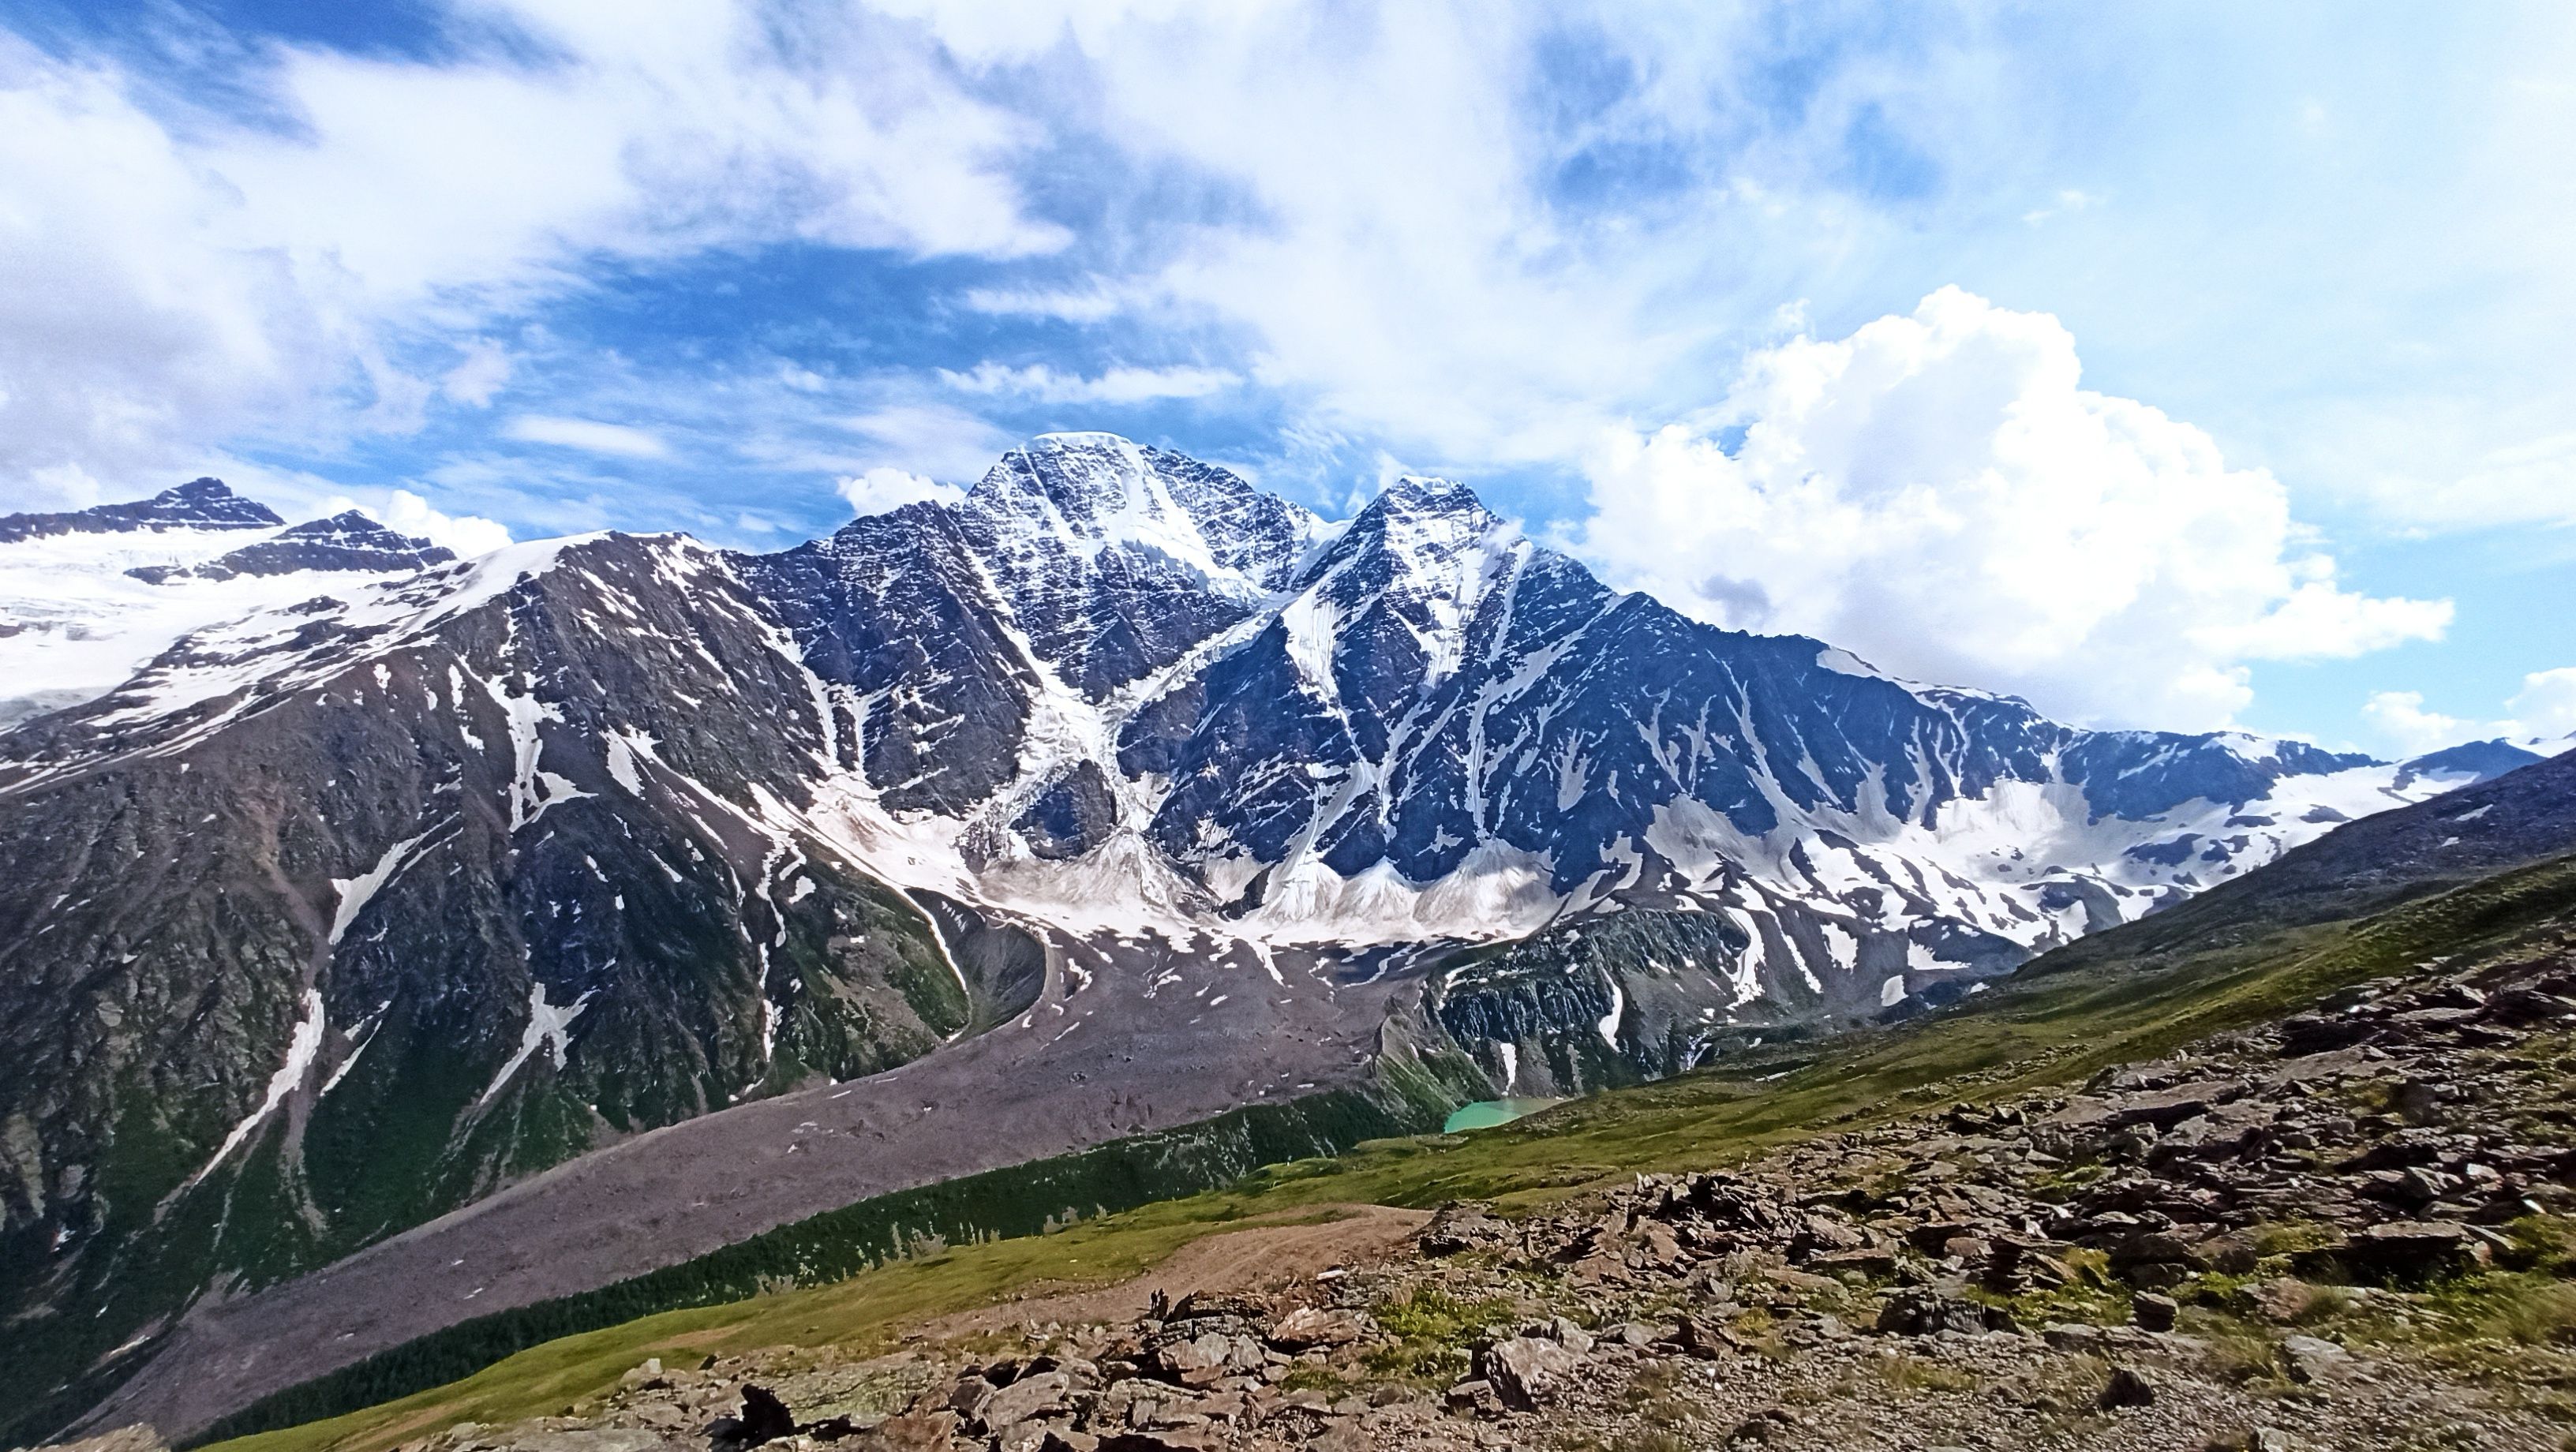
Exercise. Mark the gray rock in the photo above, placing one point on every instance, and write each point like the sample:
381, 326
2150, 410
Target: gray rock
2313, 1358
2075, 1337
1526, 1370
1311, 1327
2126, 1388
972, 1395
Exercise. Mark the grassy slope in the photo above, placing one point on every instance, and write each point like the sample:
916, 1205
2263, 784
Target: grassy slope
2043, 1028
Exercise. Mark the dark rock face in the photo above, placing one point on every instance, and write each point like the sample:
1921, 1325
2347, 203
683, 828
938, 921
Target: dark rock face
1071, 816
2137, 774
197, 504
349, 541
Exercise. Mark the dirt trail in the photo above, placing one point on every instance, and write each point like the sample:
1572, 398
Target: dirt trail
1238, 1260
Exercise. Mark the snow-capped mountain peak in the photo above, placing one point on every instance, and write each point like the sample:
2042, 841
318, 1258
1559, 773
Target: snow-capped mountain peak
1076, 495
199, 504
88, 596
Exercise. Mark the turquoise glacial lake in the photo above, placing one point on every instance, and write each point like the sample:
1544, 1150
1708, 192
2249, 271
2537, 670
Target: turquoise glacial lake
1486, 1113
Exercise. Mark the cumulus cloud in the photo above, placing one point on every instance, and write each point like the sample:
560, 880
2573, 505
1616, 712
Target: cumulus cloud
2541, 715
467, 534
2546, 705
2400, 717
1115, 385
930, 438
881, 489
402, 510
1938, 493
622, 440
134, 328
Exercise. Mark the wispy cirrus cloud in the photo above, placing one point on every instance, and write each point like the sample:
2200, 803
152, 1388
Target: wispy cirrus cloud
624, 441
1114, 385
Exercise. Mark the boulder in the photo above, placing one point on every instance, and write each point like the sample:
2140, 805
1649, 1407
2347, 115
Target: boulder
2126, 1388
2316, 1033
933, 1431
1923, 1311
2313, 1358
972, 1395
1703, 1339
1458, 1226
1526, 1370
1028, 1399
1313, 1327
764, 1418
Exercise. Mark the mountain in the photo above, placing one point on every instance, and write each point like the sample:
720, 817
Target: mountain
348, 541
357, 907
2445, 967
77, 611
199, 504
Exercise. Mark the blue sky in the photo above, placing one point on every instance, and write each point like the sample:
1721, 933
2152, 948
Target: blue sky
2170, 364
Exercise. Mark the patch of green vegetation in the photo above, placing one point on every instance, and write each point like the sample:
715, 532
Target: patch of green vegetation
1434, 1334
2090, 1295
1908, 1375
2288, 1237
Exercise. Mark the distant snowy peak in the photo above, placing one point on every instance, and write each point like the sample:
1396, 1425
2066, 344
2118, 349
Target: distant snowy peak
2139, 774
86, 598
198, 504
2487, 759
1077, 699
348, 541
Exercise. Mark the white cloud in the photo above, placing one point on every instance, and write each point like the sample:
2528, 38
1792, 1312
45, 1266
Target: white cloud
2546, 705
930, 438
131, 330
2069, 199
1087, 305
881, 489
473, 381
623, 440
2543, 712
1938, 493
1115, 385
408, 513
2401, 718
466, 534
172, 278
